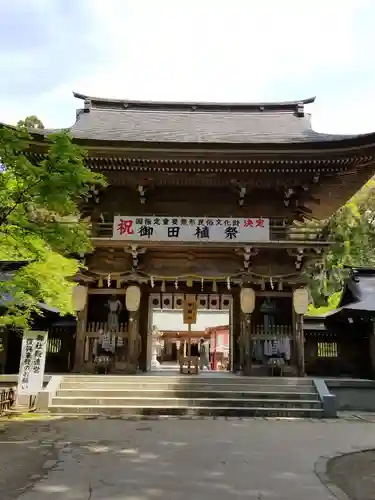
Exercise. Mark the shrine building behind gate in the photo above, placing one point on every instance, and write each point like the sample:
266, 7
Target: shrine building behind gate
204, 199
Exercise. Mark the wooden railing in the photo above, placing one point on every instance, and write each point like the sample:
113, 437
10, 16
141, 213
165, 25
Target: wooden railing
7, 398
278, 331
280, 230
96, 328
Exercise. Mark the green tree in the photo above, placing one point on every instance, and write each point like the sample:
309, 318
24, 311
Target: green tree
352, 232
30, 122
40, 220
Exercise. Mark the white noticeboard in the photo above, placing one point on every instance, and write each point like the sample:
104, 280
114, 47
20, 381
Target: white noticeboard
191, 229
32, 363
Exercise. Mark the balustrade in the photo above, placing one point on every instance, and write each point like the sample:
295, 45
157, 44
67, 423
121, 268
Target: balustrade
271, 332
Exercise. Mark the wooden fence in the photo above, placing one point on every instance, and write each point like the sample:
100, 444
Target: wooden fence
7, 398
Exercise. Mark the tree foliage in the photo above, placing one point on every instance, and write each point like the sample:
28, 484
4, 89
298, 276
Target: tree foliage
30, 122
352, 232
40, 219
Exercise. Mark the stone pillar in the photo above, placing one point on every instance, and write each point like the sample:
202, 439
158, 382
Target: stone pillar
179, 347
155, 365
80, 338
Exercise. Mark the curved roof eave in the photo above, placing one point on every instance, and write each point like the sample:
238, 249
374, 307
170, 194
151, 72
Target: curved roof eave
200, 104
335, 143
342, 143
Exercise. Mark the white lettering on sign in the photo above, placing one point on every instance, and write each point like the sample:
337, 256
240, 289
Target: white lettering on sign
185, 229
32, 363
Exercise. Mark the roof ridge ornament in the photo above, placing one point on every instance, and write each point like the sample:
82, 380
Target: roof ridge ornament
87, 105
300, 109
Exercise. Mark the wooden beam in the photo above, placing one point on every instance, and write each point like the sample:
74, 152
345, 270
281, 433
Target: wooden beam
278, 244
106, 291
274, 294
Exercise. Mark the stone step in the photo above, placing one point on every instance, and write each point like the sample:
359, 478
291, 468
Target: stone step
184, 402
227, 411
186, 387
192, 379
195, 393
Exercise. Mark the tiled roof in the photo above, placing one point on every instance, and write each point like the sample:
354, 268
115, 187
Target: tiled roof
359, 285
160, 122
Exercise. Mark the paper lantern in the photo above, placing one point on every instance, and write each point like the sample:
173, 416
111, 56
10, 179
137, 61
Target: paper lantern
133, 298
247, 299
301, 300
79, 297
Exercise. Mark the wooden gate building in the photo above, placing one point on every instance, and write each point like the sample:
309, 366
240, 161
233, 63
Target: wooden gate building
204, 198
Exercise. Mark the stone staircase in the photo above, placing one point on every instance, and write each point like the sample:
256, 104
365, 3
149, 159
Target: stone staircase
203, 395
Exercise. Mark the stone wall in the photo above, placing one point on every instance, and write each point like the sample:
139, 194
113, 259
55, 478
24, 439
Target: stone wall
353, 395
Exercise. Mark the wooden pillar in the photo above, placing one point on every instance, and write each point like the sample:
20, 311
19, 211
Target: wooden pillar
145, 328
294, 356
300, 307
4, 337
300, 345
236, 325
372, 350
134, 343
247, 345
80, 338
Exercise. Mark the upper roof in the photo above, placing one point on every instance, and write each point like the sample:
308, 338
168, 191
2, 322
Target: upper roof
118, 120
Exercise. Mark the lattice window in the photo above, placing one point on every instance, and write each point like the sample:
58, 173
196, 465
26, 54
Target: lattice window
54, 345
327, 350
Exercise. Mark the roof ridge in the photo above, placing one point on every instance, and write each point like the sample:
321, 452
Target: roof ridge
97, 102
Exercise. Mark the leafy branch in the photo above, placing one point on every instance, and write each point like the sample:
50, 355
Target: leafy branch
40, 219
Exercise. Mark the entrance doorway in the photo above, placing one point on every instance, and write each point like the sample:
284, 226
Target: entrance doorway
272, 346
169, 337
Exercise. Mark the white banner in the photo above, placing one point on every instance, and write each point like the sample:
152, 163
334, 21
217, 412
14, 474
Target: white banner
32, 363
191, 229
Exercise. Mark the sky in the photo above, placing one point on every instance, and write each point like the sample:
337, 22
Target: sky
189, 50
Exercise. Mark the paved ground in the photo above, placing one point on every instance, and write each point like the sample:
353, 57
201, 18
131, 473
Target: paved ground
25, 449
174, 459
